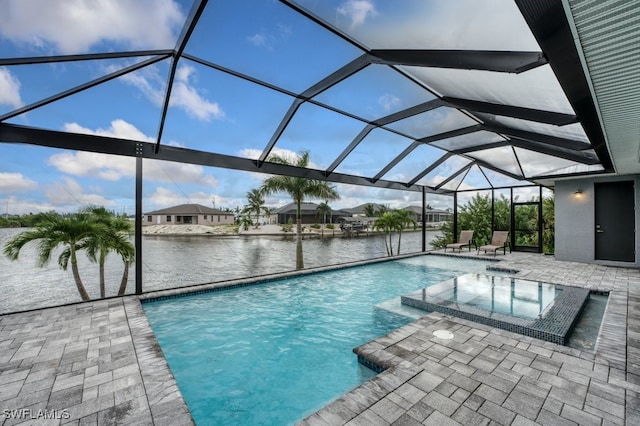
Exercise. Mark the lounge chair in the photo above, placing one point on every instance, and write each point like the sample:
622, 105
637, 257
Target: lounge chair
499, 240
466, 239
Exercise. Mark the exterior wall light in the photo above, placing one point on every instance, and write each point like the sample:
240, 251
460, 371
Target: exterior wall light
578, 193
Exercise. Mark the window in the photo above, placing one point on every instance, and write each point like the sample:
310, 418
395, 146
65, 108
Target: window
168, 218
149, 218
205, 217
178, 219
218, 218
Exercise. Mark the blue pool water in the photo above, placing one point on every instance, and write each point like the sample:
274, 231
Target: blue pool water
276, 352
504, 295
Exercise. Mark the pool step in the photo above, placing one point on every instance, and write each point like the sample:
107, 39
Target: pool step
395, 306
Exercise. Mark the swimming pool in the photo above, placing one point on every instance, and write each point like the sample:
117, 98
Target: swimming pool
276, 352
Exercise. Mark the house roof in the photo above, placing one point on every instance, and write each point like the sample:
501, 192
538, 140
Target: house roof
360, 209
186, 209
305, 208
418, 210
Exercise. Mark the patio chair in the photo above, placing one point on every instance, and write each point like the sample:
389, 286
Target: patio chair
466, 239
499, 240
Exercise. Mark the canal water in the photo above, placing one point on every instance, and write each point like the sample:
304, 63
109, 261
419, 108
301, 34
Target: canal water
178, 261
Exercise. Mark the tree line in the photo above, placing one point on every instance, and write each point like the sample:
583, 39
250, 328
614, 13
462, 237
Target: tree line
476, 216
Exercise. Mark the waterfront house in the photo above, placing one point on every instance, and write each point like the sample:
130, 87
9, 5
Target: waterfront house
360, 210
432, 216
188, 214
308, 214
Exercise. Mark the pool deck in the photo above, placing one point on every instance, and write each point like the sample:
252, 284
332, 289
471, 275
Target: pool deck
99, 363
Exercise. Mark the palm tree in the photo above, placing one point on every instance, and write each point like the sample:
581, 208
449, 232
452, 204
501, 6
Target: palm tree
382, 209
114, 237
298, 188
404, 218
388, 223
369, 210
55, 230
255, 197
245, 222
323, 210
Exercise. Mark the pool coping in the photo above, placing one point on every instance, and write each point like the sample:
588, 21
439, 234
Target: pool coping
554, 324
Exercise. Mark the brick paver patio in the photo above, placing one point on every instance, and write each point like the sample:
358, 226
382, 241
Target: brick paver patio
99, 363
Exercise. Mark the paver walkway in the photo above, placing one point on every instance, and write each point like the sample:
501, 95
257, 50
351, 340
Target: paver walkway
99, 363
95, 363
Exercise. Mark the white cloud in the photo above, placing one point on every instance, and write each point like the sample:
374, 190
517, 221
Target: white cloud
164, 197
184, 94
119, 129
357, 11
389, 102
15, 182
68, 192
184, 72
444, 24
9, 89
148, 81
268, 39
292, 156
259, 40
77, 26
176, 144
114, 168
166, 171
91, 164
19, 206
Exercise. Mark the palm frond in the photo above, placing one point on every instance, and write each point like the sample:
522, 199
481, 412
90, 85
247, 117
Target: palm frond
63, 259
12, 247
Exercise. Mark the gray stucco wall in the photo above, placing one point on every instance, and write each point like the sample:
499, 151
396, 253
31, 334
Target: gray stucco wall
575, 220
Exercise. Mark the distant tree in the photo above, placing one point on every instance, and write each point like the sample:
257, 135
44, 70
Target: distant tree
370, 210
382, 209
299, 189
405, 219
54, 230
255, 197
114, 236
388, 223
476, 216
323, 210
32, 220
394, 221
245, 222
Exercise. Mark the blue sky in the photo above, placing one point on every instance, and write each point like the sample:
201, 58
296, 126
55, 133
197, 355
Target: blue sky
216, 112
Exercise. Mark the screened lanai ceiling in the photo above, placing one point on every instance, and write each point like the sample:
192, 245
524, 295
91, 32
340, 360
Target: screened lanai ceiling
440, 94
